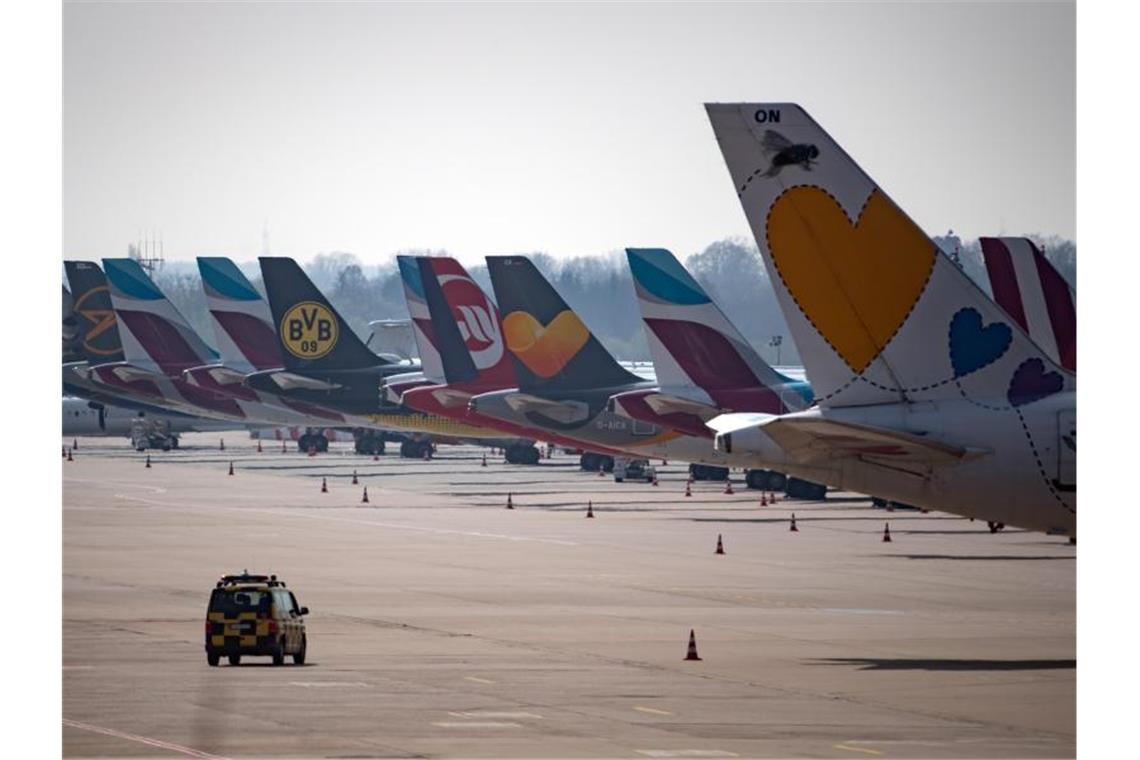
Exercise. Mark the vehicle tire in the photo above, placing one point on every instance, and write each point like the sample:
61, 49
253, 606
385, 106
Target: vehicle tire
697, 471
377, 445
531, 455
212, 659
588, 461
299, 656
279, 653
321, 443
303, 443
607, 463
619, 480
166, 447
235, 659
757, 479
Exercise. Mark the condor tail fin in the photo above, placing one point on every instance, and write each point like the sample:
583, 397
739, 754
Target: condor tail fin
553, 350
878, 313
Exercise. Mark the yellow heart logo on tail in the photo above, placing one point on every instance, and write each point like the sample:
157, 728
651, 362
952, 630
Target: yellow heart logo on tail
544, 350
856, 283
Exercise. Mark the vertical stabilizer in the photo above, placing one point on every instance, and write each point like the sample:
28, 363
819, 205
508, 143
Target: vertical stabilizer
98, 326
155, 335
1035, 295
698, 353
422, 331
240, 317
878, 313
553, 350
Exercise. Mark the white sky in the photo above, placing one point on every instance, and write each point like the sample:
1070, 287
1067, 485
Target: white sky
573, 129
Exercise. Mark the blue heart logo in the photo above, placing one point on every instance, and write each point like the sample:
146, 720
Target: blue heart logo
1031, 383
973, 346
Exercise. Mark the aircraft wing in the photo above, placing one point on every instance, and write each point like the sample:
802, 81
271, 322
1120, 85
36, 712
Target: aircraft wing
813, 440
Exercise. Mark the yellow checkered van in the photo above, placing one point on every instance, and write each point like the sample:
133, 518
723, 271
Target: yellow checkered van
254, 615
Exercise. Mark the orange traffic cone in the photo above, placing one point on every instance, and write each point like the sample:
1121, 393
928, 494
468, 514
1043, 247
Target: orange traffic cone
886, 533
221, 444
258, 445
283, 446
354, 480
75, 443
324, 486
590, 509
728, 487
231, 468
688, 488
375, 457
692, 653
655, 479
763, 499
364, 499
772, 498
719, 545
64, 452
510, 503
69, 457
148, 461
484, 464
793, 527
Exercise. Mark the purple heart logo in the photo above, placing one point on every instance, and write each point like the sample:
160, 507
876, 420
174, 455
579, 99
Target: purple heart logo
1032, 383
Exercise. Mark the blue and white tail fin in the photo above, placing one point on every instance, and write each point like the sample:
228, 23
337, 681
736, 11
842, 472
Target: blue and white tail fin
698, 353
422, 330
155, 335
239, 316
1035, 295
878, 313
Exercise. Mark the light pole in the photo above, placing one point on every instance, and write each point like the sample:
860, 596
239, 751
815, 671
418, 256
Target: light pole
775, 342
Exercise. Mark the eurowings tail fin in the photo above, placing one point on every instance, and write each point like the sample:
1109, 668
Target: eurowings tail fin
422, 330
465, 325
1035, 295
240, 317
310, 332
698, 353
98, 326
553, 350
155, 336
878, 313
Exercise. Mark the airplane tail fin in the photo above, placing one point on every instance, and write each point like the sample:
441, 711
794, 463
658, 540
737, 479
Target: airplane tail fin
98, 326
155, 335
552, 348
240, 317
1035, 295
310, 332
72, 341
878, 313
422, 330
696, 348
465, 325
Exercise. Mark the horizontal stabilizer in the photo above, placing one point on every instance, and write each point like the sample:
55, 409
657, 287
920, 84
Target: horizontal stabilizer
815, 440
565, 412
663, 403
288, 381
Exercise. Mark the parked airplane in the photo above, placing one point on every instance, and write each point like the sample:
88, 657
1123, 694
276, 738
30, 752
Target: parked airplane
566, 377
327, 364
928, 393
462, 334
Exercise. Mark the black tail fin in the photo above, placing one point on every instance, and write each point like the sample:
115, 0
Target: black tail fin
72, 340
552, 348
98, 326
312, 335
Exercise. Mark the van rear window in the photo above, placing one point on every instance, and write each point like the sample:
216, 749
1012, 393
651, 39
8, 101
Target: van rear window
231, 602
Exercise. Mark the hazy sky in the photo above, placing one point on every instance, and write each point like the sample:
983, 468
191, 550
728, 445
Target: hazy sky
573, 129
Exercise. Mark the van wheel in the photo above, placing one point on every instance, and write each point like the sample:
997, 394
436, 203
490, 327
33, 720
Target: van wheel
279, 653
299, 657
235, 659
212, 659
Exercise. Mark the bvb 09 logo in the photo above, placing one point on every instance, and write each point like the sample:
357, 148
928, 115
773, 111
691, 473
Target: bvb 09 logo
309, 330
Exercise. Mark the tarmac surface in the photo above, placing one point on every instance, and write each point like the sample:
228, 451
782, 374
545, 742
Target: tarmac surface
444, 625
